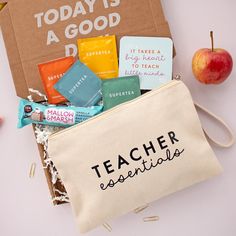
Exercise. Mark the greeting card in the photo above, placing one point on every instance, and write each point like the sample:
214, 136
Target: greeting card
150, 58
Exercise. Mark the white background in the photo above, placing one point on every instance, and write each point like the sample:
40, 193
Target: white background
203, 210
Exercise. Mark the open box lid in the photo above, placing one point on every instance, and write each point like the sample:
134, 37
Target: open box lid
41, 30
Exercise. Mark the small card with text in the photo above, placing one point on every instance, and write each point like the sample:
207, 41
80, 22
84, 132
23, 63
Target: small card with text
151, 58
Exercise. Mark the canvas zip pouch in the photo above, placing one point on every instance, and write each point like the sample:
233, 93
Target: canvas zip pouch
132, 155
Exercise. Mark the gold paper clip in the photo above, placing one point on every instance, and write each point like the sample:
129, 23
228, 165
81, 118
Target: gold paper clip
32, 170
140, 209
107, 227
151, 218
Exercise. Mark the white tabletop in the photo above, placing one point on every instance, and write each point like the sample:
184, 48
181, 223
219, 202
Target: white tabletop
206, 209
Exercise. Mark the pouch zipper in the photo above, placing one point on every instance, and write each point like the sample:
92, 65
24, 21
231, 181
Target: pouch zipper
119, 107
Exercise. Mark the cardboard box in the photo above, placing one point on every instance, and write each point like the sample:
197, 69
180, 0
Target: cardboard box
41, 30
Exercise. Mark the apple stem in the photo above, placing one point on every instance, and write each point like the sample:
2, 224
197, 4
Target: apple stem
212, 41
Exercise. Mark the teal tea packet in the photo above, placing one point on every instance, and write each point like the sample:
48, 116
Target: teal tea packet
120, 90
80, 86
63, 116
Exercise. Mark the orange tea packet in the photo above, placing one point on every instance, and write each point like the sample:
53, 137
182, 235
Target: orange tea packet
100, 55
51, 72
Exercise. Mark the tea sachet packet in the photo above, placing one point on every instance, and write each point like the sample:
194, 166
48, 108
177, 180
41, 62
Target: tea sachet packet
120, 90
151, 58
51, 72
100, 55
80, 86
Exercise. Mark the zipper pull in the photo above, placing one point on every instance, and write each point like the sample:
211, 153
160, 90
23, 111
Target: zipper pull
177, 77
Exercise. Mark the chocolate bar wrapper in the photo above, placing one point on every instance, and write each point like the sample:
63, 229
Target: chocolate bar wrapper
62, 116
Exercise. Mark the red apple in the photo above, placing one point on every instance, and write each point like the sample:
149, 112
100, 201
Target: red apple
1, 120
212, 66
